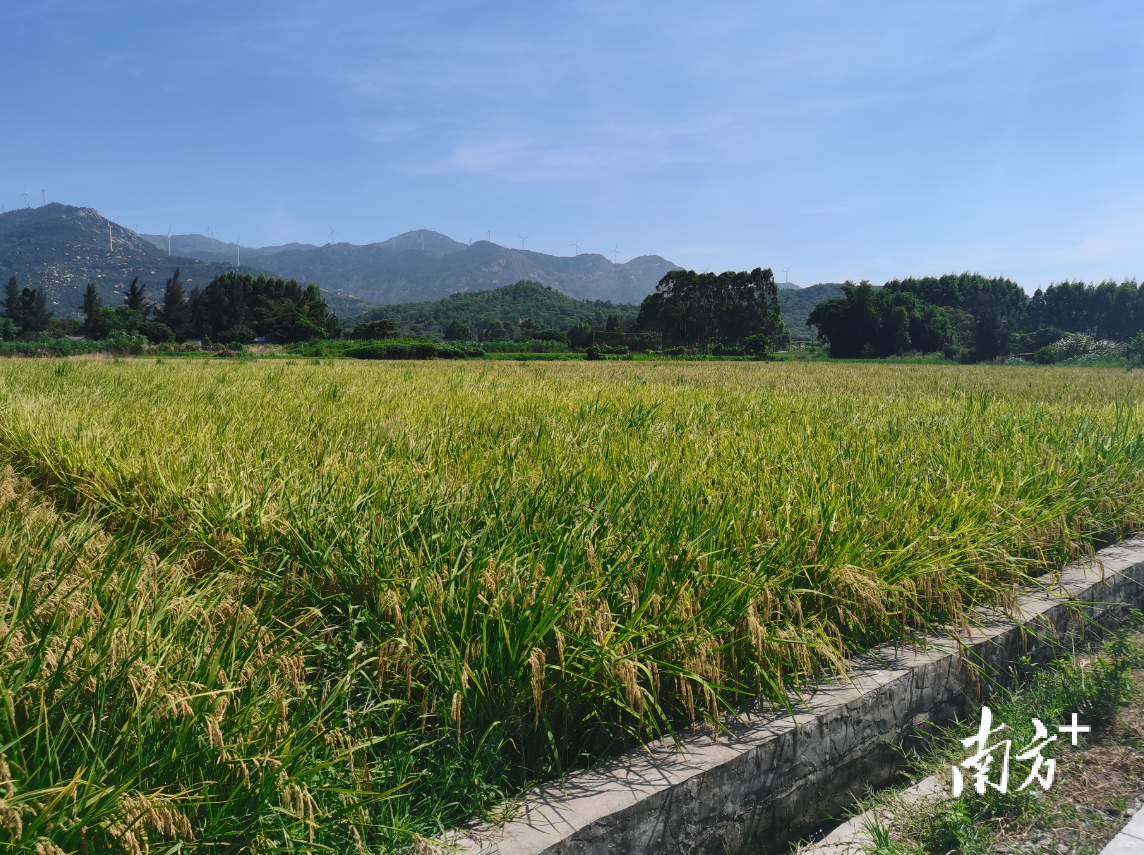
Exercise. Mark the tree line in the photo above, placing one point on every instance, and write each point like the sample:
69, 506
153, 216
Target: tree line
708, 311
721, 313
972, 318
231, 308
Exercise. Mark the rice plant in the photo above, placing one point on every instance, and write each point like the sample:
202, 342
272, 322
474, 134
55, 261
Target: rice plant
496, 572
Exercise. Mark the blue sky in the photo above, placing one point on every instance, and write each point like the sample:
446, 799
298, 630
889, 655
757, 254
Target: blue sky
839, 139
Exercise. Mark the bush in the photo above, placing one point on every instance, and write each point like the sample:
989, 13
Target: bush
550, 335
1078, 347
240, 333
1134, 351
394, 349
125, 344
675, 351
603, 351
1031, 342
760, 346
1046, 355
524, 346
459, 351
720, 349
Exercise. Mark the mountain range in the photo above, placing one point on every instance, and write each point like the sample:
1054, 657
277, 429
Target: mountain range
60, 248
426, 265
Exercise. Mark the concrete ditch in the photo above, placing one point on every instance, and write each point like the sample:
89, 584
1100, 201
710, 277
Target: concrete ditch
774, 778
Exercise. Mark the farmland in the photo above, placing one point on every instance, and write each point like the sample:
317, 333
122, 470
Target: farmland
271, 603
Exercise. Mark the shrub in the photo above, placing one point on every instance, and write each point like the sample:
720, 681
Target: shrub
550, 335
1134, 351
524, 346
759, 346
1084, 348
720, 349
459, 351
1046, 355
125, 344
240, 333
394, 349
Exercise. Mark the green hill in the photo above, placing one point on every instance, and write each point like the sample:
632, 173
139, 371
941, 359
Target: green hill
547, 307
551, 309
795, 306
60, 248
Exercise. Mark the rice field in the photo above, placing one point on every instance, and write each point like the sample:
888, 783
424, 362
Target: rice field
275, 606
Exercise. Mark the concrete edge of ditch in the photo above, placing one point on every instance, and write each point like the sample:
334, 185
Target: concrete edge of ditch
774, 779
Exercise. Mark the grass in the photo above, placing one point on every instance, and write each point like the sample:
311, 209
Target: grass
487, 573
1092, 785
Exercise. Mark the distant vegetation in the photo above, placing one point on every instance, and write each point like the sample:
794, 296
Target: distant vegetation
67, 262
970, 318
797, 304
707, 310
523, 307
232, 308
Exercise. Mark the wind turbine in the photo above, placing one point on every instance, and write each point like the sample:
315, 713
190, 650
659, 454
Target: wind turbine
26, 199
169, 241
576, 246
615, 253
45, 192
786, 276
332, 233
238, 246
489, 234
522, 240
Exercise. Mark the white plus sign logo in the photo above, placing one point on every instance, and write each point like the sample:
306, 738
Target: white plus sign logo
1074, 729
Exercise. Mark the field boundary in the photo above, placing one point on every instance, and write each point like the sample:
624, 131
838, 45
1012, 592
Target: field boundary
773, 779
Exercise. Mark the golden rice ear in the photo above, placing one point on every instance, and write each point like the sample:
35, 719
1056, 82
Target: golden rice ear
536, 661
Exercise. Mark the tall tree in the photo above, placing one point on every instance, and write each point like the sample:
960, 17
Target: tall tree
990, 332
134, 298
456, 331
692, 308
91, 303
175, 311
281, 310
34, 314
12, 304
865, 322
